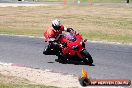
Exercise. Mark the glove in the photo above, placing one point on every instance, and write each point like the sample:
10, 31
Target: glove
52, 40
55, 45
69, 29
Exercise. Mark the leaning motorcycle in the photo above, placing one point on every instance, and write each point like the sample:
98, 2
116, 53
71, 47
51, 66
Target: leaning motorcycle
72, 48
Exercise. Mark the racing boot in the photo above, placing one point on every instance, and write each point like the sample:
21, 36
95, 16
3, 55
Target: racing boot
59, 57
46, 50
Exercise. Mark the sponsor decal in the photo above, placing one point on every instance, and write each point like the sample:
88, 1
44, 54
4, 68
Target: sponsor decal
85, 81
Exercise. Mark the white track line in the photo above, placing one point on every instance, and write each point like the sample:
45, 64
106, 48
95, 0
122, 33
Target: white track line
92, 41
17, 4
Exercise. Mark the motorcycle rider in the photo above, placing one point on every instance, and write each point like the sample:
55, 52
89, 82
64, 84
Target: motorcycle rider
53, 33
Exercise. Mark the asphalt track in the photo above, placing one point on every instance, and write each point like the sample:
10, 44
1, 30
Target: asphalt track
111, 61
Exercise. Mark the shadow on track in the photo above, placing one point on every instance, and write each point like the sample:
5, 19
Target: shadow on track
73, 62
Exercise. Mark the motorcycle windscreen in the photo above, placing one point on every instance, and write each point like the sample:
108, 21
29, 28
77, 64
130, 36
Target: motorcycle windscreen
69, 36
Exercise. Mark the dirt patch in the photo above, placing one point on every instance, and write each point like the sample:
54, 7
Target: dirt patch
21, 75
36, 76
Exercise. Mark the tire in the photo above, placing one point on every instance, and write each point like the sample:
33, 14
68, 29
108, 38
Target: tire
88, 59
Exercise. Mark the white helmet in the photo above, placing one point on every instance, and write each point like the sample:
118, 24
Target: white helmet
56, 24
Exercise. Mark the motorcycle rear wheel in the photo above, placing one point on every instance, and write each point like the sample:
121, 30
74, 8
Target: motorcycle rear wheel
88, 59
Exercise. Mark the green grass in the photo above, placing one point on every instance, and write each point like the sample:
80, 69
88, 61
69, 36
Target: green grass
2, 85
95, 23
94, 1
15, 82
112, 38
109, 1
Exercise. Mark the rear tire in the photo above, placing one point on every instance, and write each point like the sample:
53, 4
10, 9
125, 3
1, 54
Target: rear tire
88, 59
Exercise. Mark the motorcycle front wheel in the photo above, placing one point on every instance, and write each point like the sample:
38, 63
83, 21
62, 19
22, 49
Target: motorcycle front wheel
88, 59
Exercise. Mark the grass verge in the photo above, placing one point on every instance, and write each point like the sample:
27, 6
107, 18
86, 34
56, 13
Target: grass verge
94, 1
15, 82
93, 22
2, 85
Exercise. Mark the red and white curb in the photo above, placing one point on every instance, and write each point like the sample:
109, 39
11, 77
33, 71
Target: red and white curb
6, 64
12, 64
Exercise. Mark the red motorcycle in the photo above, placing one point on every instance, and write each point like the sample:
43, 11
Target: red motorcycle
72, 48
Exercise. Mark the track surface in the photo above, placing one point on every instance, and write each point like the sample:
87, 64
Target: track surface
112, 61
